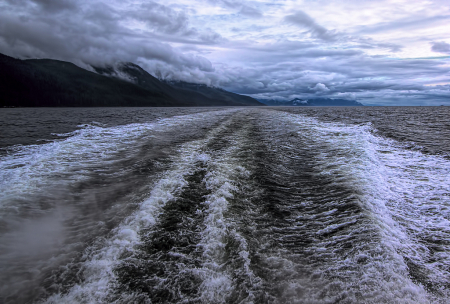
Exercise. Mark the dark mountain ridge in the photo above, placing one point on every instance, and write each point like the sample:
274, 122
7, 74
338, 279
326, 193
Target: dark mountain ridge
213, 92
54, 83
199, 94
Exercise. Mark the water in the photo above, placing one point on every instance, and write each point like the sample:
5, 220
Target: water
225, 205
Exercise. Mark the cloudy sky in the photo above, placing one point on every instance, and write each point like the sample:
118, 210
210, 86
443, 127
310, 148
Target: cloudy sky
394, 52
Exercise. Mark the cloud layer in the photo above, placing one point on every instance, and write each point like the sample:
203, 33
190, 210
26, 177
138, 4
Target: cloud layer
379, 53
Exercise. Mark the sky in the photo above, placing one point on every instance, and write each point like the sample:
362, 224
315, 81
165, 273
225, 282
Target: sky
383, 52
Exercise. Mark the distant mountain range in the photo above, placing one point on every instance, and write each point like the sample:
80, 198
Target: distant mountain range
54, 83
317, 102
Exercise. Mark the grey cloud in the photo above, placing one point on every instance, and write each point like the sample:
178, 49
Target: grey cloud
161, 18
324, 58
391, 46
406, 23
440, 47
244, 9
93, 34
369, 43
51, 6
280, 47
302, 19
250, 12
210, 37
364, 78
320, 87
228, 3
330, 53
166, 44
56, 5
287, 50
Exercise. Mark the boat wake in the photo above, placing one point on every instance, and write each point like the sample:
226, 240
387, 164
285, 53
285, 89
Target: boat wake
226, 206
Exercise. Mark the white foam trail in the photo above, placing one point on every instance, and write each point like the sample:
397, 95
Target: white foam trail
217, 284
37, 170
34, 169
405, 192
405, 196
224, 175
99, 276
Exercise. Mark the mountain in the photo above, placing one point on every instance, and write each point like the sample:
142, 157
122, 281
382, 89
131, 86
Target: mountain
316, 102
214, 93
54, 83
196, 94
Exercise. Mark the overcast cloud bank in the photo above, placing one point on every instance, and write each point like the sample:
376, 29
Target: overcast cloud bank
378, 53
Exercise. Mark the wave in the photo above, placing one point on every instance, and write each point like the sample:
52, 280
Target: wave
229, 206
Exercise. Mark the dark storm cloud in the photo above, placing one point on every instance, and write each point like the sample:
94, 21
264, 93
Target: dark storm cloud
440, 47
262, 60
56, 5
94, 34
161, 18
47, 5
303, 20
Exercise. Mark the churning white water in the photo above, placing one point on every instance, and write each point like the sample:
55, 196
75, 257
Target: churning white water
225, 206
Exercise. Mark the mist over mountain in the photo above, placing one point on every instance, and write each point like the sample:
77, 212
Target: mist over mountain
316, 102
54, 83
199, 94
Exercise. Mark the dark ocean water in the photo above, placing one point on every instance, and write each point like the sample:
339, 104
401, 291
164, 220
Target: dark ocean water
225, 205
